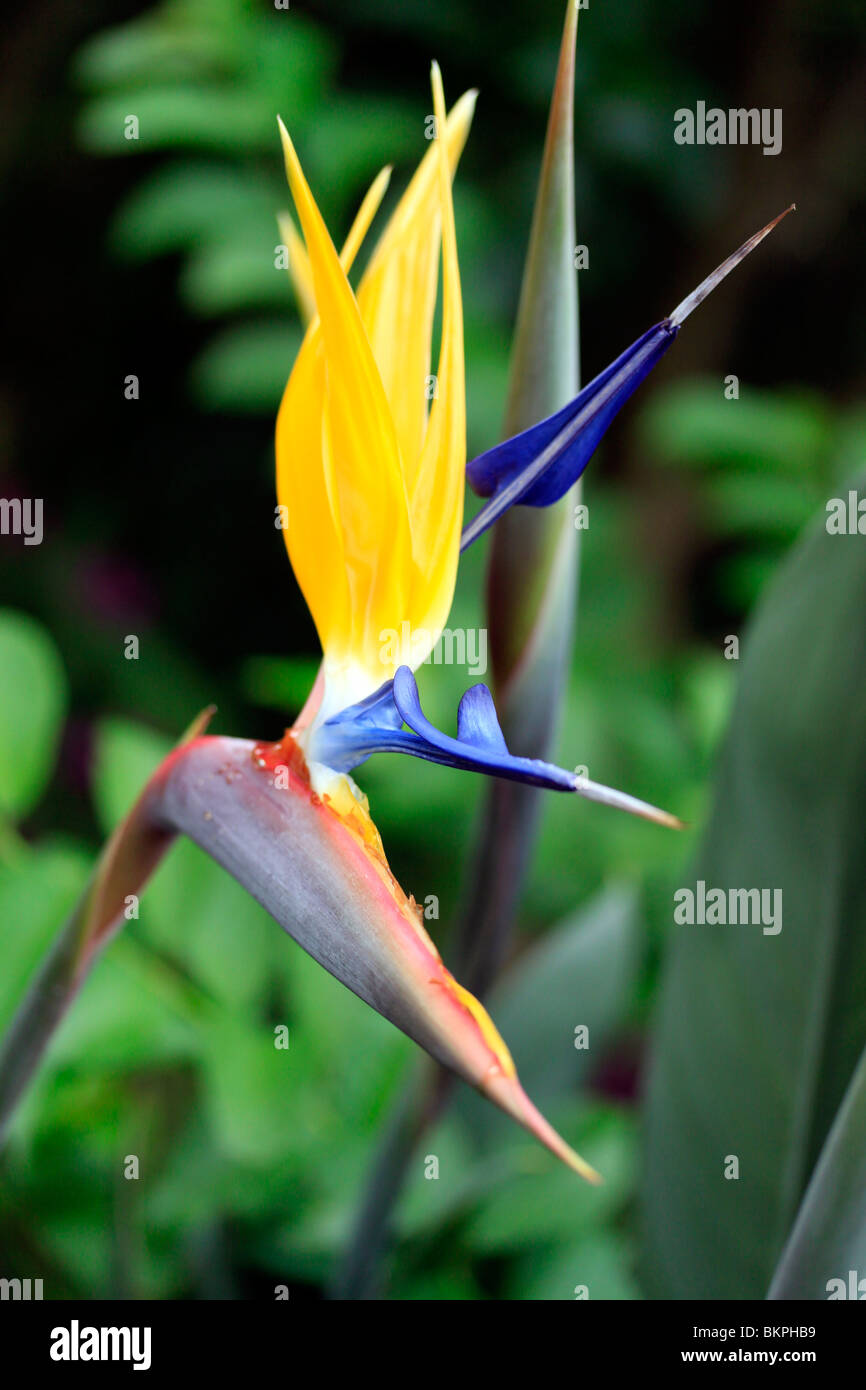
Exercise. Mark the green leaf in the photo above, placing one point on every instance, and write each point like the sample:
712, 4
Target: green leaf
848, 446
435, 1286
532, 580
768, 505
131, 1014
194, 1182
202, 920
759, 1033
237, 275
202, 78
829, 1235
598, 1267
33, 699
708, 689
246, 368
204, 116
691, 423
548, 1205
250, 1092
193, 913
190, 203
127, 755
147, 51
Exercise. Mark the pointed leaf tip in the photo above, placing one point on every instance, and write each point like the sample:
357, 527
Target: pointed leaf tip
537, 466
706, 287
621, 801
509, 1095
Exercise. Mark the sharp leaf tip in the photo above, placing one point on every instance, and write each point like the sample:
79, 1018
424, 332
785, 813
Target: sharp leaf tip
706, 287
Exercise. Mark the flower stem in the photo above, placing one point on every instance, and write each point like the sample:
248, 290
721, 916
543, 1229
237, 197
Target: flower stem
44, 1005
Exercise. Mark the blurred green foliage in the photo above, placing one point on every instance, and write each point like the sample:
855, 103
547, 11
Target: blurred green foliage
252, 1158
775, 1019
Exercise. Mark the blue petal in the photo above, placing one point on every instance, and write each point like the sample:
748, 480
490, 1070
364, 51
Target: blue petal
480, 745
375, 725
477, 721
538, 467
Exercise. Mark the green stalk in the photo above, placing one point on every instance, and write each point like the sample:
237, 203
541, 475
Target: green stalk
532, 566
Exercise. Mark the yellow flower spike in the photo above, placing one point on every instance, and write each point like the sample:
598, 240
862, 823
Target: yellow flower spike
436, 489
299, 270
365, 214
299, 267
363, 478
373, 488
314, 543
312, 534
397, 294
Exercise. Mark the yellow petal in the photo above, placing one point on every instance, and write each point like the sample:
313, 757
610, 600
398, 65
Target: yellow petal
436, 489
312, 535
373, 487
397, 293
298, 267
299, 270
363, 474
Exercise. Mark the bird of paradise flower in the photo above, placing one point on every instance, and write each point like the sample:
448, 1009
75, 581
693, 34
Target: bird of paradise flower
371, 477
372, 485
